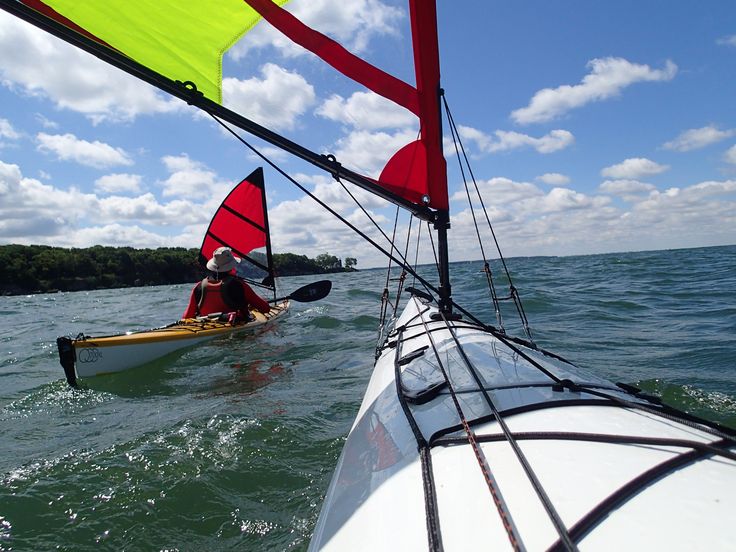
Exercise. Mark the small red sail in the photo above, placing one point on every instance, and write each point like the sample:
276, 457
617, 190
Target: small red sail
241, 223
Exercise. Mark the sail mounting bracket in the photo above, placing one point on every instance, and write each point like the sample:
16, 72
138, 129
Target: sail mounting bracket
191, 91
335, 166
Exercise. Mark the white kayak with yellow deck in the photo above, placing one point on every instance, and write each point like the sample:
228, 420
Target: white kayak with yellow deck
87, 356
241, 224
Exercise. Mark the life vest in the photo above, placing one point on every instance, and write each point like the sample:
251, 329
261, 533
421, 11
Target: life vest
214, 296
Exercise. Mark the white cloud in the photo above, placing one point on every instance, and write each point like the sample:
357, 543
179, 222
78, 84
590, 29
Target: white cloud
503, 140
626, 187
366, 111
562, 221
697, 138
33, 212
68, 147
41, 65
368, 152
730, 155
191, 179
631, 191
275, 101
554, 179
7, 131
45, 122
608, 77
353, 24
727, 40
119, 183
501, 190
633, 168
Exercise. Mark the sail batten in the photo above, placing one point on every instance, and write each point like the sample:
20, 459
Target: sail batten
241, 223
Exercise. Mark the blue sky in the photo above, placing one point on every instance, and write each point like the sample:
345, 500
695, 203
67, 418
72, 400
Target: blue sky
591, 126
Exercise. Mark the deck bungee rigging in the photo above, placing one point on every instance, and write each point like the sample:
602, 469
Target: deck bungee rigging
457, 411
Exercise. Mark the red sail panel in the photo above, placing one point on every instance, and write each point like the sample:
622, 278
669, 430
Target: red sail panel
423, 185
427, 69
241, 222
333, 53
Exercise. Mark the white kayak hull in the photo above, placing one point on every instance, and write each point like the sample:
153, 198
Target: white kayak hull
615, 473
87, 357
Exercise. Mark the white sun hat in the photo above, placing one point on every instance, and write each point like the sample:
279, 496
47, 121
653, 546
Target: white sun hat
222, 260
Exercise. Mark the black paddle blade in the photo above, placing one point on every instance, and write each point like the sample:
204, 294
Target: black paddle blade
312, 292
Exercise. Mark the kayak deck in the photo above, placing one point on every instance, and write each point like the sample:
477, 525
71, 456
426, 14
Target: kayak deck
88, 356
514, 448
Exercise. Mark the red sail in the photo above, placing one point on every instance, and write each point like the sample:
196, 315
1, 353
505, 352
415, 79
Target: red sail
241, 223
418, 171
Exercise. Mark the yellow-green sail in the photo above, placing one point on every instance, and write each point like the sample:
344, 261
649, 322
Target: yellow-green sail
181, 39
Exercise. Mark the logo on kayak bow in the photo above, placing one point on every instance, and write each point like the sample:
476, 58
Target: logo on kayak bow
88, 355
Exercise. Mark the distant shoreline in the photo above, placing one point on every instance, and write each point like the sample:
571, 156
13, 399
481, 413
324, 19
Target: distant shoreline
31, 269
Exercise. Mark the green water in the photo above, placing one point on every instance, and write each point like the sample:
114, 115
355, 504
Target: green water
232, 444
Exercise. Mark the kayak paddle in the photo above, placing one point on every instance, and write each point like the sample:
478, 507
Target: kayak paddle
311, 292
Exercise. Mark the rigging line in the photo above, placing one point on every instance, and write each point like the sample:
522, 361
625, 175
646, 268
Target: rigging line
533, 479
402, 277
425, 454
671, 414
416, 252
434, 250
384, 296
501, 507
600, 512
487, 270
367, 214
324, 205
514, 292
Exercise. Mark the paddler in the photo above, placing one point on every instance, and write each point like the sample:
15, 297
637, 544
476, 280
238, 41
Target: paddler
223, 291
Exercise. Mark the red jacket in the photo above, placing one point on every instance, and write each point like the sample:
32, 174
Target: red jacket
214, 301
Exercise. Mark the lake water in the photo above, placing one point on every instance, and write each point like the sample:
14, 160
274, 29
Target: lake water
232, 444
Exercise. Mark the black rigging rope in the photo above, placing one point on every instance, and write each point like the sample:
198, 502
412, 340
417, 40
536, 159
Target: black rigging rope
501, 507
533, 479
514, 293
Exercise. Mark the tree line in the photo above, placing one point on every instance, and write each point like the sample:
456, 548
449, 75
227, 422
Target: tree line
41, 268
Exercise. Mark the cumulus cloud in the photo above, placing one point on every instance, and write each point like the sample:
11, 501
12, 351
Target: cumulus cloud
628, 190
368, 152
191, 179
366, 111
633, 168
41, 65
276, 100
7, 131
727, 40
554, 179
503, 140
697, 138
501, 190
121, 183
353, 24
68, 147
730, 155
625, 187
562, 221
607, 78
34, 212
